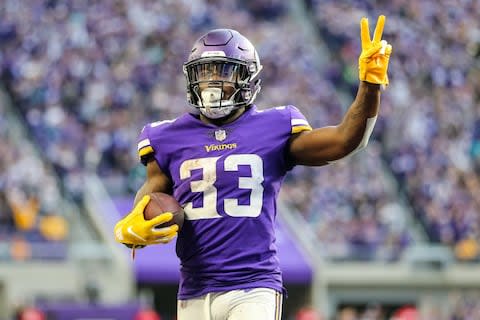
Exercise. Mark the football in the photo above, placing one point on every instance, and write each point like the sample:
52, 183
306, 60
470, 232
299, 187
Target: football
162, 202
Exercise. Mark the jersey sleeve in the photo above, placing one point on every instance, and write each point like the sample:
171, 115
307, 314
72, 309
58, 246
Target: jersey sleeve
295, 122
298, 121
144, 146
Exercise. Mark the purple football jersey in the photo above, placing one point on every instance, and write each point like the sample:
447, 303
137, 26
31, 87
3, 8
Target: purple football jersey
227, 178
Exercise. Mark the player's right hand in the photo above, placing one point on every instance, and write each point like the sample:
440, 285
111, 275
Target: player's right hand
134, 231
373, 61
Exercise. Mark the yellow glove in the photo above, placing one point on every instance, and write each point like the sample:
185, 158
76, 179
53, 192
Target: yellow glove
373, 61
134, 231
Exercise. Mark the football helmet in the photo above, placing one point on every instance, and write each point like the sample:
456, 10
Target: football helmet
222, 73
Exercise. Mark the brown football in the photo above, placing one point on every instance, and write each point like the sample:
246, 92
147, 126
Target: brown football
162, 202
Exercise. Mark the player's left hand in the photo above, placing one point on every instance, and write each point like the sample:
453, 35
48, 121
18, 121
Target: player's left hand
373, 61
133, 230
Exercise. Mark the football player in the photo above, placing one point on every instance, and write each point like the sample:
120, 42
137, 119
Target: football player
225, 163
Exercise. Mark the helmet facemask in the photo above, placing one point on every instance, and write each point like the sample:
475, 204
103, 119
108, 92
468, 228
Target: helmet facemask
216, 86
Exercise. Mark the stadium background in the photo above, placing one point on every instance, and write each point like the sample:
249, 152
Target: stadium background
393, 231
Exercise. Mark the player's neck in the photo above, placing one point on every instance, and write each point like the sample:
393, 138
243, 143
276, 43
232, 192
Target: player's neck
230, 118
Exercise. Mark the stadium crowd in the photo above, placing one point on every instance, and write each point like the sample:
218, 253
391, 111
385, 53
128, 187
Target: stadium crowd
88, 75
29, 200
431, 113
92, 74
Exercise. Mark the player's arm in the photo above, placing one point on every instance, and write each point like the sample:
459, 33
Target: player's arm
156, 181
324, 145
328, 144
133, 230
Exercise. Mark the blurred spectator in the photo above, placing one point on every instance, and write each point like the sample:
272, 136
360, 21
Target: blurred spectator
53, 228
147, 314
30, 313
467, 249
308, 313
347, 313
406, 313
20, 249
24, 213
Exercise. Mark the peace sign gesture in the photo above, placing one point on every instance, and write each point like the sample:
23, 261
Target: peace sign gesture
373, 61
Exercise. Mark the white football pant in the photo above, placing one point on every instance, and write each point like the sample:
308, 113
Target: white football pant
250, 304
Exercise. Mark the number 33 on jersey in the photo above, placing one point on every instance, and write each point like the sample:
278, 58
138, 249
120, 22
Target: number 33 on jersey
220, 171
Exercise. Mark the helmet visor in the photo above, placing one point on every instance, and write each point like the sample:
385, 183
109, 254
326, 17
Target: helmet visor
217, 71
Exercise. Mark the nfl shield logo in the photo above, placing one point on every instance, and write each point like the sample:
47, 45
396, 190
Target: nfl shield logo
220, 135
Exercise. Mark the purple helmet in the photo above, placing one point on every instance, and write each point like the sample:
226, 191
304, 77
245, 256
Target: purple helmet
221, 73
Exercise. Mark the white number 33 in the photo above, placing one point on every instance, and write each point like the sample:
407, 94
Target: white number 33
207, 186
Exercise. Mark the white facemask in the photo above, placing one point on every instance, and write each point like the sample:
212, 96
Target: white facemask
211, 98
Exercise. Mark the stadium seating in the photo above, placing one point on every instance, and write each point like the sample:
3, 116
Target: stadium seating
430, 110
30, 223
86, 76
88, 86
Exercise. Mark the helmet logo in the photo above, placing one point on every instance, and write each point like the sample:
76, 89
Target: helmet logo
213, 54
220, 134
